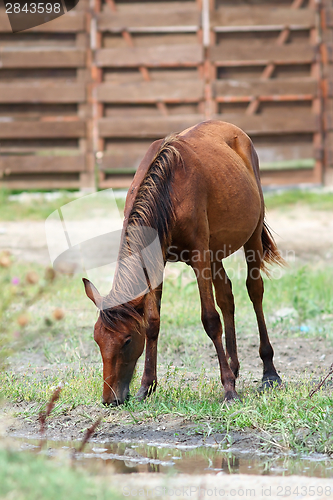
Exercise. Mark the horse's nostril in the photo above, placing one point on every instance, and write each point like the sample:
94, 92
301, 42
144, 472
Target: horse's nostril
106, 403
115, 402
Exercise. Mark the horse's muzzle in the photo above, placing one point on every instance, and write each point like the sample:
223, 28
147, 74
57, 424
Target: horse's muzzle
117, 401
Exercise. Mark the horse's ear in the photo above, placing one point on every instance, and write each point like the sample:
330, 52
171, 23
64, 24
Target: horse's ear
92, 293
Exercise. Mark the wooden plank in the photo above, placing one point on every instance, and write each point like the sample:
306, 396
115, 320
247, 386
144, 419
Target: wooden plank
46, 181
263, 54
126, 6
287, 177
72, 22
273, 123
123, 159
269, 87
283, 148
263, 15
42, 57
143, 20
42, 92
13, 164
146, 127
42, 129
116, 181
157, 56
152, 92
119, 76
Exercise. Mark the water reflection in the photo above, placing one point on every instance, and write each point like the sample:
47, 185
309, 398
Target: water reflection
129, 458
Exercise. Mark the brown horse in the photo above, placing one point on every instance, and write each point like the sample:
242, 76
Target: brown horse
200, 191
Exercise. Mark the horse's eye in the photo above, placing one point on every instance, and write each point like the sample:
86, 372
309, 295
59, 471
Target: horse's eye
127, 342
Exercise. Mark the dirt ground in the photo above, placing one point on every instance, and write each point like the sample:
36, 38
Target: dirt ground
302, 235
299, 231
294, 357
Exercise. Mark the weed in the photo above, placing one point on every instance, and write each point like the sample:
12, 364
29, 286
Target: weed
25, 479
185, 388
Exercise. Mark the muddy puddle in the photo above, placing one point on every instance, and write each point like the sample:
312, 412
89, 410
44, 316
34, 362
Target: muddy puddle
131, 458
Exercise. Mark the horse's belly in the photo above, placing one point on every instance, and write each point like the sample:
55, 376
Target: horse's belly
223, 244
231, 226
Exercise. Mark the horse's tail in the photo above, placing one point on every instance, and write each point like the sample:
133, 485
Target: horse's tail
271, 252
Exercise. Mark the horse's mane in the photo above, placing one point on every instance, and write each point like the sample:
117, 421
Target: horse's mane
152, 208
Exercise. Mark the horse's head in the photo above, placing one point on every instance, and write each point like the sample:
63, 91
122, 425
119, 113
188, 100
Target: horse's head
121, 343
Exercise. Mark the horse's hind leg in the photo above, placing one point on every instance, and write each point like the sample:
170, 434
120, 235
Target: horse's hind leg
211, 321
225, 301
255, 287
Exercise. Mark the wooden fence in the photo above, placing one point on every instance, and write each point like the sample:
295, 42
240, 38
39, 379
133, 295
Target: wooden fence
45, 139
89, 91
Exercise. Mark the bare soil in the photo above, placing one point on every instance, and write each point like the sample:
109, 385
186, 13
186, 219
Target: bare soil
306, 232
309, 234
294, 358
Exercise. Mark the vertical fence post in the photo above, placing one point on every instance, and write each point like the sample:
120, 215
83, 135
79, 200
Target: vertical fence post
206, 42
326, 28
96, 106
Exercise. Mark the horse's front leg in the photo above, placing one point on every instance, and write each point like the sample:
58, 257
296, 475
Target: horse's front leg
152, 321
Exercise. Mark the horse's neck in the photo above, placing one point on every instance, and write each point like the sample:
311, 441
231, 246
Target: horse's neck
138, 273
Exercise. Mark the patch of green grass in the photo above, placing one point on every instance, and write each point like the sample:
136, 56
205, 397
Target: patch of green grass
314, 199
300, 303
286, 417
51, 339
80, 385
297, 300
21, 288
38, 209
24, 477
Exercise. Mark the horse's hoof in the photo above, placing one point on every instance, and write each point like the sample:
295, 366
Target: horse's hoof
141, 394
270, 382
231, 397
